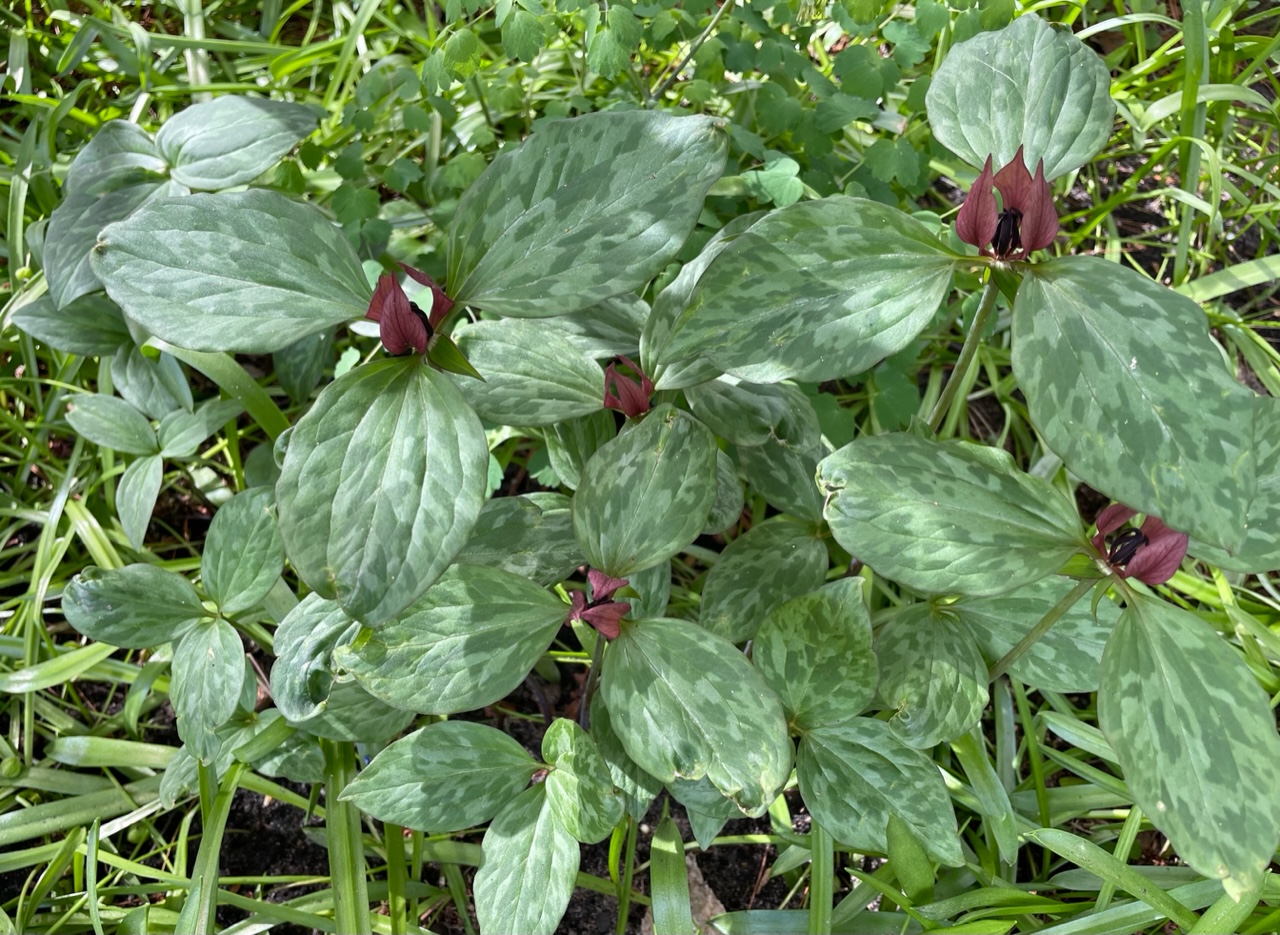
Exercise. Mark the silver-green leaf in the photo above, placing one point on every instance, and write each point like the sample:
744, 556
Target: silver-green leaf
647, 493
464, 644
243, 554
1030, 85
1125, 385
135, 607
580, 788
945, 517
1196, 738
381, 483
248, 271
584, 210
687, 703
814, 291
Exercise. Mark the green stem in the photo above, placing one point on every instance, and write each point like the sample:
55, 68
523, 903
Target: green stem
628, 873
396, 902
665, 86
198, 914
821, 869
971, 342
223, 370
346, 849
1040, 629
1124, 844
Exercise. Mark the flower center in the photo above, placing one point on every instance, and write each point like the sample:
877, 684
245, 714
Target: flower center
1007, 239
1124, 545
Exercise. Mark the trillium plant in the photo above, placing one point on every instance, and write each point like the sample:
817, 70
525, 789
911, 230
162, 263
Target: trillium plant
669, 370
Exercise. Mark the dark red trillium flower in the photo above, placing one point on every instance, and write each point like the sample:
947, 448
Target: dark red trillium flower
602, 611
627, 394
1151, 554
1028, 222
403, 326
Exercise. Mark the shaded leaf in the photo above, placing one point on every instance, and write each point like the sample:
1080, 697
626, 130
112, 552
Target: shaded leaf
815, 652
113, 423
686, 703
464, 644
382, 481
208, 670
91, 325
302, 677
530, 535
447, 777
250, 271
946, 517
580, 788
1027, 85
243, 553
136, 496
134, 607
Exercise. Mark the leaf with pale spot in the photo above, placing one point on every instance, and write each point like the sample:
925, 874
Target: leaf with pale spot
853, 776
381, 483
580, 788
686, 703
466, 643
1196, 738
1124, 384
814, 291
208, 670
583, 210
447, 777
944, 517
647, 494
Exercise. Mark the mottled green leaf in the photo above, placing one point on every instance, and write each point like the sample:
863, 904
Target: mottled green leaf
464, 644
853, 776
783, 475
91, 325
250, 271
381, 483
1067, 658
351, 714
1196, 738
116, 172
136, 607
815, 652
638, 788
302, 676
136, 496
931, 675
945, 517
608, 329
156, 387
1260, 551
446, 777
580, 788
300, 365
1030, 85
686, 703
231, 140
647, 494
243, 554
571, 443
533, 375
1125, 385
113, 423
652, 589
529, 868
770, 563
181, 433
669, 305
749, 414
530, 535
583, 210
208, 670
814, 291
727, 508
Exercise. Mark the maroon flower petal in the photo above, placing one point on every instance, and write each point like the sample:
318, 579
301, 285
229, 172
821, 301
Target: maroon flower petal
383, 294
976, 222
1156, 561
1014, 184
577, 605
626, 394
441, 304
603, 586
607, 618
1039, 217
1109, 520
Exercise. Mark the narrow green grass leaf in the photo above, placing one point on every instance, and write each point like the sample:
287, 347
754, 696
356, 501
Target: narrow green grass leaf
669, 878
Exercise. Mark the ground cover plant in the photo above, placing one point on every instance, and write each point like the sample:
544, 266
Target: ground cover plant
523, 438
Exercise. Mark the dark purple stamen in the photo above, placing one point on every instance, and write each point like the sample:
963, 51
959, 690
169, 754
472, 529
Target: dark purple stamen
1124, 545
1008, 239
